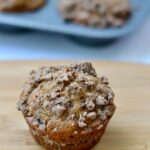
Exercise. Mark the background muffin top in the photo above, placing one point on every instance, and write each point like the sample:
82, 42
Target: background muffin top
96, 13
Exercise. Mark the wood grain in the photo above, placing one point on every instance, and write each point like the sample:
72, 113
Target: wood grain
128, 130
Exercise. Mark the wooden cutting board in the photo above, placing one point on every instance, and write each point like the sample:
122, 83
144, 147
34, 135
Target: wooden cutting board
129, 129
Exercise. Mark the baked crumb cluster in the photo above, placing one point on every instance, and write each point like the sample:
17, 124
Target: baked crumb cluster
96, 13
68, 93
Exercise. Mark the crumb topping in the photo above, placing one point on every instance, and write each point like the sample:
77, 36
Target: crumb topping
81, 122
96, 13
90, 105
67, 92
91, 115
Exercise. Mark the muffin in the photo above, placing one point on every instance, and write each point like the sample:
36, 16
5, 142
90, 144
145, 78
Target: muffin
67, 107
96, 13
20, 5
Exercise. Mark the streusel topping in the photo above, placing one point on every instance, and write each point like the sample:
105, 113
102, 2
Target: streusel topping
66, 93
96, 13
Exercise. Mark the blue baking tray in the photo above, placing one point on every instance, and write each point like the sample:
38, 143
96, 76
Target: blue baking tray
48, 19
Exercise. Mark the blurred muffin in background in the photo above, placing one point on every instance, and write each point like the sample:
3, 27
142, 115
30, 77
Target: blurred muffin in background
96, 13
20, 5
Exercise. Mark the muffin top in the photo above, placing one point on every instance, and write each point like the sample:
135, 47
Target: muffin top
64, 95
96, 13
20, 5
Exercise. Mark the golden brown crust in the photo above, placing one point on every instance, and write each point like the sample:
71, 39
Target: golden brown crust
82, 141
20, 5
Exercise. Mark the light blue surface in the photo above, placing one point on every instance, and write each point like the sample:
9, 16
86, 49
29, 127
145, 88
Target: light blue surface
39, 45
48, 19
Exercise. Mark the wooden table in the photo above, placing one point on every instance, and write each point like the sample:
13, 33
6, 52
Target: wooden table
128, 130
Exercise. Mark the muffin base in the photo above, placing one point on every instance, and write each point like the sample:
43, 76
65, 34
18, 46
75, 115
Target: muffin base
81, 143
